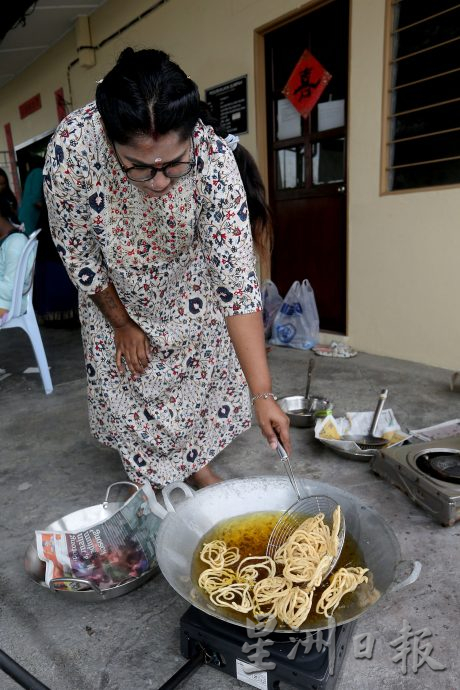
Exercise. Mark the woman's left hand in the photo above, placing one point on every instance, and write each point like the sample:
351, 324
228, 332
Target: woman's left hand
273, 423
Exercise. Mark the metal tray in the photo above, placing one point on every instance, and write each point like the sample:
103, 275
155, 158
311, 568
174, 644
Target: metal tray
363, 456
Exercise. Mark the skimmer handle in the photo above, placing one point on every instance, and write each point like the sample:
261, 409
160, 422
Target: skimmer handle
311, 366
284, 457
382, 397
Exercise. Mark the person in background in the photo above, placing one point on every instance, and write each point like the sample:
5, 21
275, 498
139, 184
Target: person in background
7, 194
55, 296
149, 214
32, 201
12, 242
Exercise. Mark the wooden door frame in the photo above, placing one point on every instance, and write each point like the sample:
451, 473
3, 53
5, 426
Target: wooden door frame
260, 96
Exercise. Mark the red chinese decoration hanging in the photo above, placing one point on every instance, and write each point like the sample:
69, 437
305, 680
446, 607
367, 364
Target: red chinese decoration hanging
306, 83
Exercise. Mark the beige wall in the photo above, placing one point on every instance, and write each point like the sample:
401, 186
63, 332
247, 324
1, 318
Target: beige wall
220, 47
403, 249
44, 76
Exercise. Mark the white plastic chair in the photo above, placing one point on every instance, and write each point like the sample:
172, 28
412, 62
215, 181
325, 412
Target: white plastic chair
18, 318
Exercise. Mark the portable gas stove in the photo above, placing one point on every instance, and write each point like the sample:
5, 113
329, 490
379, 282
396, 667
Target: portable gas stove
308, 661
428, 472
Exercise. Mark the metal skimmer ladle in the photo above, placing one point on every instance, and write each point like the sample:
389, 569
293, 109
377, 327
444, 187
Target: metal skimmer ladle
369, 441
303, 508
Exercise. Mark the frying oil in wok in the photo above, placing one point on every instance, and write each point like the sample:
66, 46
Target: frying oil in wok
251, 532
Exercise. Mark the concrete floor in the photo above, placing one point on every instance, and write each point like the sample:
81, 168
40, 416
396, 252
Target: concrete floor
50, 466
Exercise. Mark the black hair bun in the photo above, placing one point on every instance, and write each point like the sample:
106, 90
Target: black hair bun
126, 55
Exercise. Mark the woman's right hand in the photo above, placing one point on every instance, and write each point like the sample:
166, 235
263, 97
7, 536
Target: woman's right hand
273, 423
132, 344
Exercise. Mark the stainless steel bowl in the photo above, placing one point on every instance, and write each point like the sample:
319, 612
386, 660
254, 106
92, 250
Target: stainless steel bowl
303, 412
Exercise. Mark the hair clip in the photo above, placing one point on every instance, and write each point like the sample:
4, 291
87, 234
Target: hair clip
232, 141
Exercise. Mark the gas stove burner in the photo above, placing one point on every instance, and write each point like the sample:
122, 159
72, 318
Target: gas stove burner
441, 463
428, 472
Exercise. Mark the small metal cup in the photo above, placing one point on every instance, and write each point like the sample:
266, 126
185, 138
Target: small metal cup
320, 406
303, 412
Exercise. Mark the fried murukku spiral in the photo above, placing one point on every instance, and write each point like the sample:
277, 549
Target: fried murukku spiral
308, 552
345, 580
236, 596
293, 608
251, 568
266, 593
218, 555
211, 579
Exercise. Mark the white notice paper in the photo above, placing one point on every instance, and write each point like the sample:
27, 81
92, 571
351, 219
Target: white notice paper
331, 114
288, 120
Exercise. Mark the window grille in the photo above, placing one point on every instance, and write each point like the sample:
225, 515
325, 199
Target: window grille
423, 98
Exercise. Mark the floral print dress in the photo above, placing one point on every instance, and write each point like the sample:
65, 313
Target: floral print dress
180, 264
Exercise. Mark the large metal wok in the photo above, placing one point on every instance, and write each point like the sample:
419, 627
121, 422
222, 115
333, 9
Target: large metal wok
186, 522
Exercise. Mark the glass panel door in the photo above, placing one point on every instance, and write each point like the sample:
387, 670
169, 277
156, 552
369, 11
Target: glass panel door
290, 167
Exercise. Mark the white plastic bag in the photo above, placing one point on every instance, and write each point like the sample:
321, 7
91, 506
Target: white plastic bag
297, 322
271, 301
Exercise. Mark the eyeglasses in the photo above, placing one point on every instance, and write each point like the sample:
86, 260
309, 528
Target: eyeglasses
143, 173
